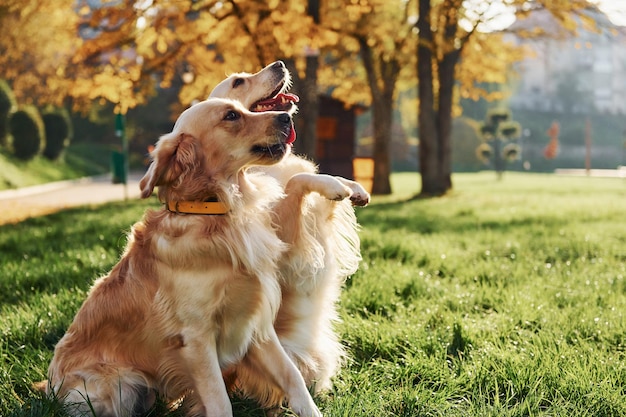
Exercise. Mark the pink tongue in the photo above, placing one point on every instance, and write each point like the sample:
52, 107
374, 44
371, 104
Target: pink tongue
278, 99
289, 96
292, 136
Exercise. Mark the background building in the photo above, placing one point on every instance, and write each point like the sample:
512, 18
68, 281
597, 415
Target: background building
571, 74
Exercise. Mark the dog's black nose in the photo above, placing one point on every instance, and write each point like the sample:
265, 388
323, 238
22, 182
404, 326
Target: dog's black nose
278, 65
284, 118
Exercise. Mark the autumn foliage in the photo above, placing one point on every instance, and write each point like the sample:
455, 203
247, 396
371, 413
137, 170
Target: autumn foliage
122, 51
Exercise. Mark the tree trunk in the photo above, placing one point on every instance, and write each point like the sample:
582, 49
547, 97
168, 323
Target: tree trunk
309, 98
429, 149
382, 114
435, 110
308, 107
446, 68
444, 117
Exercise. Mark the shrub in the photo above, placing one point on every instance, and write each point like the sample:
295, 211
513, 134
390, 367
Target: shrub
484, 152
465, 138
509, 129
28, 132
7, 105
58, 133
511, 152
497, 115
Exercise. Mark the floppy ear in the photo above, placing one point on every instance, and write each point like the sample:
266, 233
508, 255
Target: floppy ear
174, 155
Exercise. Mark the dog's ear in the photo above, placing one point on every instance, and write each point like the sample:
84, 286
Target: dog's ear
174, 155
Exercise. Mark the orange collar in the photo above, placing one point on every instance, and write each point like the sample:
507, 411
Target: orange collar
197, 207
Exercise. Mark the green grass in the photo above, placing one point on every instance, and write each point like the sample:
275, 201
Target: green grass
78, 161
502, 299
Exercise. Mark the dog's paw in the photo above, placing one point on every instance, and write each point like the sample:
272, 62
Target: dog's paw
309, 412
360, 200
283, 412
331, 188
358, 195
337, 195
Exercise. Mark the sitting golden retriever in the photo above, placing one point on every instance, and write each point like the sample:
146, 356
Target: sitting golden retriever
196, 288
324, 247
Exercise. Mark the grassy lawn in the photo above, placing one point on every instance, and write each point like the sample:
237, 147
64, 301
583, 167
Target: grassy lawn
79, 160
502, 299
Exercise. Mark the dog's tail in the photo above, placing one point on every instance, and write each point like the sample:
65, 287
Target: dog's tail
102, 390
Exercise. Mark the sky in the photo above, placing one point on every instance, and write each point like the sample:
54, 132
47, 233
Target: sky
614, 9
500, 17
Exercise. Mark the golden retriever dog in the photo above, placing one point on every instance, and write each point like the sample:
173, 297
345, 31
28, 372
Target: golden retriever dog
318, 222
196, 288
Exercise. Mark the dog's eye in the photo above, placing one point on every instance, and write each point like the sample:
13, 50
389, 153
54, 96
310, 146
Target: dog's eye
237, 82
232, 115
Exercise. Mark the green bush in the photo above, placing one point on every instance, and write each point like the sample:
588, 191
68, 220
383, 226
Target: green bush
465, 139
7, 105
58, 133
28, 132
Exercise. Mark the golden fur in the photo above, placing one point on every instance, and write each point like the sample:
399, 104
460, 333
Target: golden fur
191, 294
318, 222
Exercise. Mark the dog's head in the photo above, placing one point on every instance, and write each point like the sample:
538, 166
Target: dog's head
265, 90
212, 142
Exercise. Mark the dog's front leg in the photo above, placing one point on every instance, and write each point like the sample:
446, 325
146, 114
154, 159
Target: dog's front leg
287, 212
200, 355
327, 186
270, 357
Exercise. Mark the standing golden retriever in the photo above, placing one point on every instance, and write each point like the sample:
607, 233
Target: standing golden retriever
318, 222
196, 288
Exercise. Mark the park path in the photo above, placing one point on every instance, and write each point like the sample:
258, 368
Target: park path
20, 204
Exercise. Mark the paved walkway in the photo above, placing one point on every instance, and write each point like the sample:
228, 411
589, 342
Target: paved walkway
20, 204
620, 172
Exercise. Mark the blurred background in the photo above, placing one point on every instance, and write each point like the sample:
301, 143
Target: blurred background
429, 86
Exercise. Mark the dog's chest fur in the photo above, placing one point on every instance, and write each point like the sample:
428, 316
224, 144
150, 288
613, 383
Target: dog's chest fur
218, 279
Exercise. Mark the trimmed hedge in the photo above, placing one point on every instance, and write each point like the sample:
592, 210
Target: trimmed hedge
7, 105
28, 132
58, 133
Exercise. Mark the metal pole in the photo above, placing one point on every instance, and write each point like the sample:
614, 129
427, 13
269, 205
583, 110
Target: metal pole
588, 146
120, 132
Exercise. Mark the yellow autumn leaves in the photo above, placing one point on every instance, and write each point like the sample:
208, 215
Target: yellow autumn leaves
120, 50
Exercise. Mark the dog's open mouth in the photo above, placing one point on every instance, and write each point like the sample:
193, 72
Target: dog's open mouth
274, 151
292, 136
276, 101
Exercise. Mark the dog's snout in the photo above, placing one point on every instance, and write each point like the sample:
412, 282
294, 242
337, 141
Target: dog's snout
284, 119
278, 65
